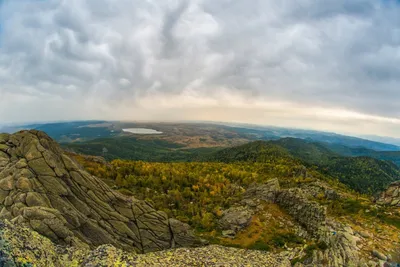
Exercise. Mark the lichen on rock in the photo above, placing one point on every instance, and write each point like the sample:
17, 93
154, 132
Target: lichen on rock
44, 189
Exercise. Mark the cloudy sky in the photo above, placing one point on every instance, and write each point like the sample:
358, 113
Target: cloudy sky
322, 64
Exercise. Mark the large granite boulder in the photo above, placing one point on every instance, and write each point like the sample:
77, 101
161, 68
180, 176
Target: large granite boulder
236, 218
44, 189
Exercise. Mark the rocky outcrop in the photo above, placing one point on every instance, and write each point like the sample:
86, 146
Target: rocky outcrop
341, 249
21, 246
44, 189
266, 191
310, 215
236, 218
391, 196
319, 190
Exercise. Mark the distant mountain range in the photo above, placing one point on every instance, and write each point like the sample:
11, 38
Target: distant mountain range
354, 161
88, 130
383, 139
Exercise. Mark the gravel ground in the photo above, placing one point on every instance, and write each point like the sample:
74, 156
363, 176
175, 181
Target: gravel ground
211, 256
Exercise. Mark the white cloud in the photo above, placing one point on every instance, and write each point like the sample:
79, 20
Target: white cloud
322, 64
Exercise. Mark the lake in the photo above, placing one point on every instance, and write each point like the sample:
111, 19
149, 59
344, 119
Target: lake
141, 131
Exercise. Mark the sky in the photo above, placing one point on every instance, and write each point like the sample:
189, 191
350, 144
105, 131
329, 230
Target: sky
318, 64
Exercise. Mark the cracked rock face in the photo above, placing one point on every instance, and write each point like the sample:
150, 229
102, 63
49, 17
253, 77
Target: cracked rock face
44, 189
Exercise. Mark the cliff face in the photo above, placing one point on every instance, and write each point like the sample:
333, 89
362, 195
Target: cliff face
44, 189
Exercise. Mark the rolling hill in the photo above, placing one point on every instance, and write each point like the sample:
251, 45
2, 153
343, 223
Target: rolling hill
363, 174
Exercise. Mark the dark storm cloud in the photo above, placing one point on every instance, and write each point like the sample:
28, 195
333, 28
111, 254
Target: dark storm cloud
336, 54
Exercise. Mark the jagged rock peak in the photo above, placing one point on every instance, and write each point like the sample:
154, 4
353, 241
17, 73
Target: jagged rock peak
44, 189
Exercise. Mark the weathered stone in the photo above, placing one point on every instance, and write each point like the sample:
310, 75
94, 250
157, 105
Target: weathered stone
8, 201
35, 250
183, 235
117, 216
391, 196
96, 234
40, 167
4, 138
79, 205
21, 164
26, 173
310, 214
77, 177
3, 148
122, 228
5, 214
50, 158
7, 183
16, 209
18, 220
69, 163
24, 184
3, 195
228, 233
266, 192
60, 172
54, 185
127, 212
57, 198
4, 161
32, 153
4, 156
379, 255
235, 218
59, 228
40, 148
43, 229
40, 213
101, 203
35, 199
20, 198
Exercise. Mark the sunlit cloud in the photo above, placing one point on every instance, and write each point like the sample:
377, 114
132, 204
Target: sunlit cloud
330, 65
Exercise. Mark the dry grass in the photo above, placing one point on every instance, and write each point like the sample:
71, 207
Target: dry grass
269, 230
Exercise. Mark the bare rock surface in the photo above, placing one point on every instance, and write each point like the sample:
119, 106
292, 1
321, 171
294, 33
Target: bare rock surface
266, 191
21, 246
236, 218
391, 196
338, 242
309, 214
44, 189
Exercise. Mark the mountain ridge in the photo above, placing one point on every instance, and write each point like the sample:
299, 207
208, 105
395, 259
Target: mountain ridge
88, 130
364, 174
